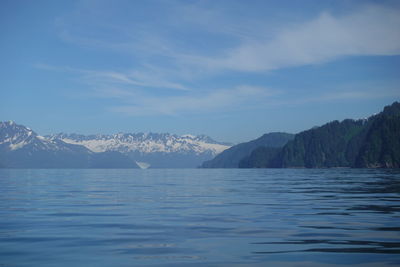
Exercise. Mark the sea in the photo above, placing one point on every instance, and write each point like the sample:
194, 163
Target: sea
199, 217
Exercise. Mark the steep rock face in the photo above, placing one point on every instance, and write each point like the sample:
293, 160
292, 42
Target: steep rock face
20, 147
231, 157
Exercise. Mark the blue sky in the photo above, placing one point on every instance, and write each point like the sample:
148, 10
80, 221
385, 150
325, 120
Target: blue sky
229, 69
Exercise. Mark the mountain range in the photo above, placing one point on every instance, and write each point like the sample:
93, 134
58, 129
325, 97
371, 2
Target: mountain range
373, 142
21, 147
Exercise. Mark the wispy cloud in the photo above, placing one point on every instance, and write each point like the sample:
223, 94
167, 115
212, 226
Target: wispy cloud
136, 100
347, 95
350, 92
372, 30
174, 56
250, 46
217, 100
142, 78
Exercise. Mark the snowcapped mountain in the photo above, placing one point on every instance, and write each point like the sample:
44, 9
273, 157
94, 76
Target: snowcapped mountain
157, 150
145, 143
14, 136
22, 147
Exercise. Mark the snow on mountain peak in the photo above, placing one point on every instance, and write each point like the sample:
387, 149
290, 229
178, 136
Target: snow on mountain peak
145, 143
15, 136
158, 150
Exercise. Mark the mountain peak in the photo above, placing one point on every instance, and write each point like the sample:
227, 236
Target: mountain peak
10, 127
8, 124
145, 143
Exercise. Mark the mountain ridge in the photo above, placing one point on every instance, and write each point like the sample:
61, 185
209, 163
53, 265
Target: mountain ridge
122, 150
144, 142
365, 143
231, 157
21, 147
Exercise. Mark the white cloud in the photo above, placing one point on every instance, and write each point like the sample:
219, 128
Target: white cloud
175, 105
249, 45
372, 30
143, 78
165, 56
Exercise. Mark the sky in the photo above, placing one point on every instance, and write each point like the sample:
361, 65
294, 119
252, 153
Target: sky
232, 70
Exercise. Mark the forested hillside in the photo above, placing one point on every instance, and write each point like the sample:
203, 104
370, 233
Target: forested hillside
372, 142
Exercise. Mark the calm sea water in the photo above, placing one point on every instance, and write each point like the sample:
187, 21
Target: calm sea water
178, 217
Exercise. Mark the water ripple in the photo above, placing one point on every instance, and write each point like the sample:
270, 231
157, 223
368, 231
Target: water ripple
200, 217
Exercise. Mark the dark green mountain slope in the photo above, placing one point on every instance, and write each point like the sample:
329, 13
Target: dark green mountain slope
381, 147
261, 157
374, 142
330, 145
230, 158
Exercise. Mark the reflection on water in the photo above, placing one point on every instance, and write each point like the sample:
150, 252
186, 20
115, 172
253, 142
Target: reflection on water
196, 217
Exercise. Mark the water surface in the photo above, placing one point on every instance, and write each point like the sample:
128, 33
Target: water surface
181, 217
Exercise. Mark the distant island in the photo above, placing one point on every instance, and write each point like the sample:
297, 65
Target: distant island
365, 143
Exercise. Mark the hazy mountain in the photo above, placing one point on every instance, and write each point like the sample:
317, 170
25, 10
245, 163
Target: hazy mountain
231, 157
20, 147
372, 142
159, 150
145, 142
